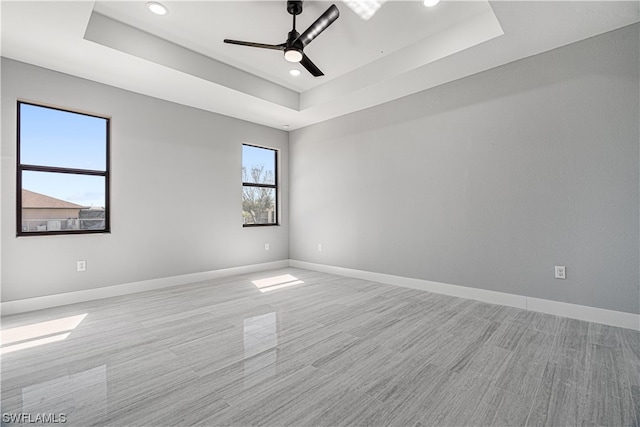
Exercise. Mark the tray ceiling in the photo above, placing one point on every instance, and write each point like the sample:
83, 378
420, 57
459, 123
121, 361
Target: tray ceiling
403, 49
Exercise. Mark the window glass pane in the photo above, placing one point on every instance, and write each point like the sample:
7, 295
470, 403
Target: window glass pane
258, 165
50, 137
259, 205
59, 202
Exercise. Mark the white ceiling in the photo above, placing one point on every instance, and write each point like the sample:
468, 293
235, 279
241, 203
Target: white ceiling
403, 49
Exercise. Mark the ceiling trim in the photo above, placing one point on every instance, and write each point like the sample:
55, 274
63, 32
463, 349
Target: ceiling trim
124, 38
386, 71
389, 70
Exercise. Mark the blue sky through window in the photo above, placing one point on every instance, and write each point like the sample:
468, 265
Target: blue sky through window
256, 156
50, 137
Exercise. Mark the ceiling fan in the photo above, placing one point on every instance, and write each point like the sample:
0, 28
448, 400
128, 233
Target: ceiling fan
294, 46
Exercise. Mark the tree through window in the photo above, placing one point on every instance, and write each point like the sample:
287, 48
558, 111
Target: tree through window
259, 186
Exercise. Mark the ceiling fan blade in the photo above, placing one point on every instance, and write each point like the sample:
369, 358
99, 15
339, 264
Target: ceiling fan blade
319, 26
260, 45
310, 66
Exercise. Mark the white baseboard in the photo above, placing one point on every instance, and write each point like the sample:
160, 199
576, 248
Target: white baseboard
574, 311
48, 301
581, 312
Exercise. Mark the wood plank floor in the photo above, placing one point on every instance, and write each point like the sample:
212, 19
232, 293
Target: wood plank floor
301, 348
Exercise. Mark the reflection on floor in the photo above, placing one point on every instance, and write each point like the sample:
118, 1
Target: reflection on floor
316, 349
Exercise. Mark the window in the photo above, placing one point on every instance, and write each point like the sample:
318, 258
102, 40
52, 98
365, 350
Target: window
259, 186
62, 172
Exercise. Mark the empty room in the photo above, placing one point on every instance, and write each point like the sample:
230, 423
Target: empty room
320, 213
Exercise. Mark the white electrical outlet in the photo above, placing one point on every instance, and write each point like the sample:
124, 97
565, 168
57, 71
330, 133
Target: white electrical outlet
319, 247
561, 272
81, 266
266, 246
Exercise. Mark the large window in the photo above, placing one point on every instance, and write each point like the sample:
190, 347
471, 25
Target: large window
259, 186
63, 171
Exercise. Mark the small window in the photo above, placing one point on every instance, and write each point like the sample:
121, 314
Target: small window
259, 186
62, 171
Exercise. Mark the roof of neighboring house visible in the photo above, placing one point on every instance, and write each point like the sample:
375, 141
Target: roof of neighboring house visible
40, 201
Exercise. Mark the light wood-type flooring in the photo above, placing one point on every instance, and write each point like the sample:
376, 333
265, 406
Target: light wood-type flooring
300, 348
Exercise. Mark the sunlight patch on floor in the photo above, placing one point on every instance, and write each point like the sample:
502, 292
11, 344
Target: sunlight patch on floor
276, 282
36, 334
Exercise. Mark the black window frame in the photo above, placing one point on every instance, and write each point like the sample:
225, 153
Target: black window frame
273, 186
20, 167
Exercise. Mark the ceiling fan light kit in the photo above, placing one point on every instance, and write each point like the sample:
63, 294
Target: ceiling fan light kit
293, 55
293, 48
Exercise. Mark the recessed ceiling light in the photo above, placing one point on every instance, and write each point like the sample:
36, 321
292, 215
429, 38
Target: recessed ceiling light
294, 72
365, 8
430, 3
285, 126
157, 8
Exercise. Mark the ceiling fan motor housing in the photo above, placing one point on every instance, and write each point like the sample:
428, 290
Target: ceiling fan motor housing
294, 7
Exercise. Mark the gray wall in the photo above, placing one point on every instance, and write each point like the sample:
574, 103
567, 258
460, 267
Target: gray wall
488, 181
176, 192
485, 182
